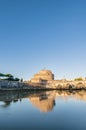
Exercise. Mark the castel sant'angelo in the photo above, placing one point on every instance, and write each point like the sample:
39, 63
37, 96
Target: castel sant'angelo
43, 76
46, 77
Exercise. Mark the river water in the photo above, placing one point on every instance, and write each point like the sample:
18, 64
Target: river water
50, 110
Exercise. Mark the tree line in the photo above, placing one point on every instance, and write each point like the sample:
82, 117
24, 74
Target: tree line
9, 77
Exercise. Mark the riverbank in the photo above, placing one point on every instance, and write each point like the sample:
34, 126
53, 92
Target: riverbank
53, 85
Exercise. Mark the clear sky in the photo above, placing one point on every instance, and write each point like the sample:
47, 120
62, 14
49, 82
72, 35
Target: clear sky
37, 34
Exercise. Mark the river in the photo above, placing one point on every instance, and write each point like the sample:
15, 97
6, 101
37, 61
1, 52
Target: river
47, 110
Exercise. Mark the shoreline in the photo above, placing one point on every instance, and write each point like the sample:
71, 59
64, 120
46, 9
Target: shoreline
54, 85
42, 89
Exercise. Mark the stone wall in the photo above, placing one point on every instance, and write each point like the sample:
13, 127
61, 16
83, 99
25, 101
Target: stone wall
10, 84
67, 84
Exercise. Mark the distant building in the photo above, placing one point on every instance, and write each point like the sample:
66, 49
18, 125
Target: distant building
43, 76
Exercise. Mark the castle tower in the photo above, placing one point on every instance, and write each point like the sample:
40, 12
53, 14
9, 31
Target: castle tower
43, 75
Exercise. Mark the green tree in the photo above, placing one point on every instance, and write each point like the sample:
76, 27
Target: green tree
8, 75
78, 79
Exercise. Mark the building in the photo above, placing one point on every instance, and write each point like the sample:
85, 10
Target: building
43, 76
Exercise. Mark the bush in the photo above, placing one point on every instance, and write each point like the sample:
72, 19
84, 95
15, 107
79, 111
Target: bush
78, 79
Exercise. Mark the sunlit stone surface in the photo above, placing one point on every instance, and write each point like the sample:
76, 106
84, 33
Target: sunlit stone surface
43, 76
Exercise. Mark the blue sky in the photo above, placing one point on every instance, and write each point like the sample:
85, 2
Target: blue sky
37, 34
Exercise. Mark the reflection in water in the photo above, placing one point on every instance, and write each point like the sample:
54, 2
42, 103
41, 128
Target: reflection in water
59, 115
6, 104
44, 101
11, 96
